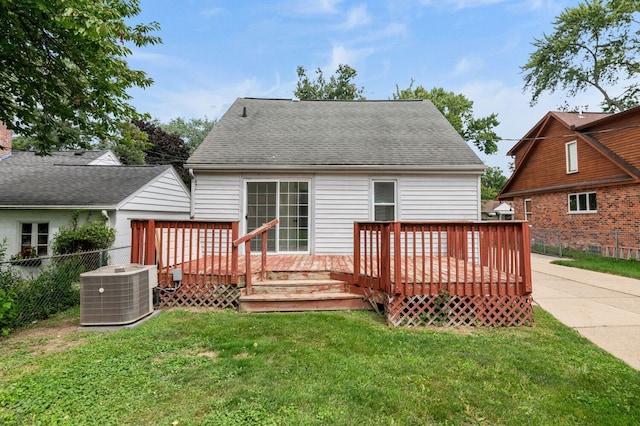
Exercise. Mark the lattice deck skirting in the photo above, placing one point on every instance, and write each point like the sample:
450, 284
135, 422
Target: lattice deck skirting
201, 296
445, 310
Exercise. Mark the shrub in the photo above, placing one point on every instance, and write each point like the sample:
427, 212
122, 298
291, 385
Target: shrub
92, 235
8, 307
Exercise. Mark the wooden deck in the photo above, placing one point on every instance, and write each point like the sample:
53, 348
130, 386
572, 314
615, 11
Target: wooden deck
413, 269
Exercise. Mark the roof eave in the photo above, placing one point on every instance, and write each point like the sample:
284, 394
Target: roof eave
341, 168
57, 207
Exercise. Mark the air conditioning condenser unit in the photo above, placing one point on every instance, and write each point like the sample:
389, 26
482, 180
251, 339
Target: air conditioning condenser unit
117, 294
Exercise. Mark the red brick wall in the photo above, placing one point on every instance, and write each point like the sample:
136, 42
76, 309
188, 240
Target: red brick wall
5, 139
618, 210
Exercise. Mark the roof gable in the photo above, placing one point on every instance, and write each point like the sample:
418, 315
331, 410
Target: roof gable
540, 155
258, 133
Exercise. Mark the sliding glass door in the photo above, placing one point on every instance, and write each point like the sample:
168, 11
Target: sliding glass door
287, 201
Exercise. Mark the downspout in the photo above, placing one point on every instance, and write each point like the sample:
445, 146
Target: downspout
192, 212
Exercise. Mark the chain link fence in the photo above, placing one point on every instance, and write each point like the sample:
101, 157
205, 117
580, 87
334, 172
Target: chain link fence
616, 244
34, 289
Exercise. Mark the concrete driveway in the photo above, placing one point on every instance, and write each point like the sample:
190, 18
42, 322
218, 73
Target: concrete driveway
603, 308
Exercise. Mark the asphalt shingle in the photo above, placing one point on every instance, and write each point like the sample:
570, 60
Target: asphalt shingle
283, 132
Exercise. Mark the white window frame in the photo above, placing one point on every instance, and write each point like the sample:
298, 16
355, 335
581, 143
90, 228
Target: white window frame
375, 204
587, 207
41, 249
571, 149
527, 212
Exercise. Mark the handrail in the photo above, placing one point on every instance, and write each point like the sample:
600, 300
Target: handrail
262, 230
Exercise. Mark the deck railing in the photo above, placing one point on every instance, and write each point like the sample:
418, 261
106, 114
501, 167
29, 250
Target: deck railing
426, 258
202, 250
246, 239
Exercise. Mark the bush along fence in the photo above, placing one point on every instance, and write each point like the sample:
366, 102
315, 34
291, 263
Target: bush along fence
616, 244
34, 291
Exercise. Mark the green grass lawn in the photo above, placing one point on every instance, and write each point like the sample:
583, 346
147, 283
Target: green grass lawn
594, 262
344, 368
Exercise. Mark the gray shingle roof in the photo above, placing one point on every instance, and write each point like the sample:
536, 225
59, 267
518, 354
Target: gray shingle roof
57, 157
283, 132
71, 185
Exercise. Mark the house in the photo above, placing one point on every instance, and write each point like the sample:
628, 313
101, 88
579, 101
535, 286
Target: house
5, 140
319, 166
496, 210
39, 194
577, 175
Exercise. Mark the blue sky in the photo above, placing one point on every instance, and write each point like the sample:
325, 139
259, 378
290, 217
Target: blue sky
215, 51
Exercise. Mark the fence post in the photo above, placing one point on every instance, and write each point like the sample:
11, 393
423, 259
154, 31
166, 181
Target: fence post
560, 243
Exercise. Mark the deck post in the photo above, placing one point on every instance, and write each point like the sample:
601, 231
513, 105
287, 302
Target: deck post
264, 257
150, 243
135, 242
234, 253
525, 253
397, 259
356, 253
247, 258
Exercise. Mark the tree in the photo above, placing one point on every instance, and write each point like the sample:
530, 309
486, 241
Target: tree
192, 132
458, 110
339, 86
63, 73
131, 147
593, 45
165, 148
491, 182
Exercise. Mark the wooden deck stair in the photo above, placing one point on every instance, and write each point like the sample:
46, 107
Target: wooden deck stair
291, 292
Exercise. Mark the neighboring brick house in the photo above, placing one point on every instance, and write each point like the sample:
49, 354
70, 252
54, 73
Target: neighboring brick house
579, 173
5, 140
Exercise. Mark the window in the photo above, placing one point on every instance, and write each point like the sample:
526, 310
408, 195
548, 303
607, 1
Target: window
527, 209
384, 200
35, 235
572, 157
584, 202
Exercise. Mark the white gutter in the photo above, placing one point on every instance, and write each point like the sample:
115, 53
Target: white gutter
340, 168
192, 207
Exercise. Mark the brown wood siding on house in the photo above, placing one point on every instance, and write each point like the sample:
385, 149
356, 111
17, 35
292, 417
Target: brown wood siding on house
545, 165
622, 137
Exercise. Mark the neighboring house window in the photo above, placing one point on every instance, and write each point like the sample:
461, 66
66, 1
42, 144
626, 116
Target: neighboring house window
35, 235
527, 209
384, 200
572, 157
584, 202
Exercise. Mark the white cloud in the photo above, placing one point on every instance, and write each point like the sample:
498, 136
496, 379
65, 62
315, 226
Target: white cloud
342, 55
460, 4
213, 11
357, 17
465, 65
314, 7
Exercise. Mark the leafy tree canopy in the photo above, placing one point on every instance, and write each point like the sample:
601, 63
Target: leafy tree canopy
63, 72
131, 147
594, 45
192, 131
165, 148
458, 110
491, 182
339, 86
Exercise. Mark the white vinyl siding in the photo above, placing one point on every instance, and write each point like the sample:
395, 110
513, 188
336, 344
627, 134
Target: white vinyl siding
218, 197
340, 200
438, 197
166, 194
